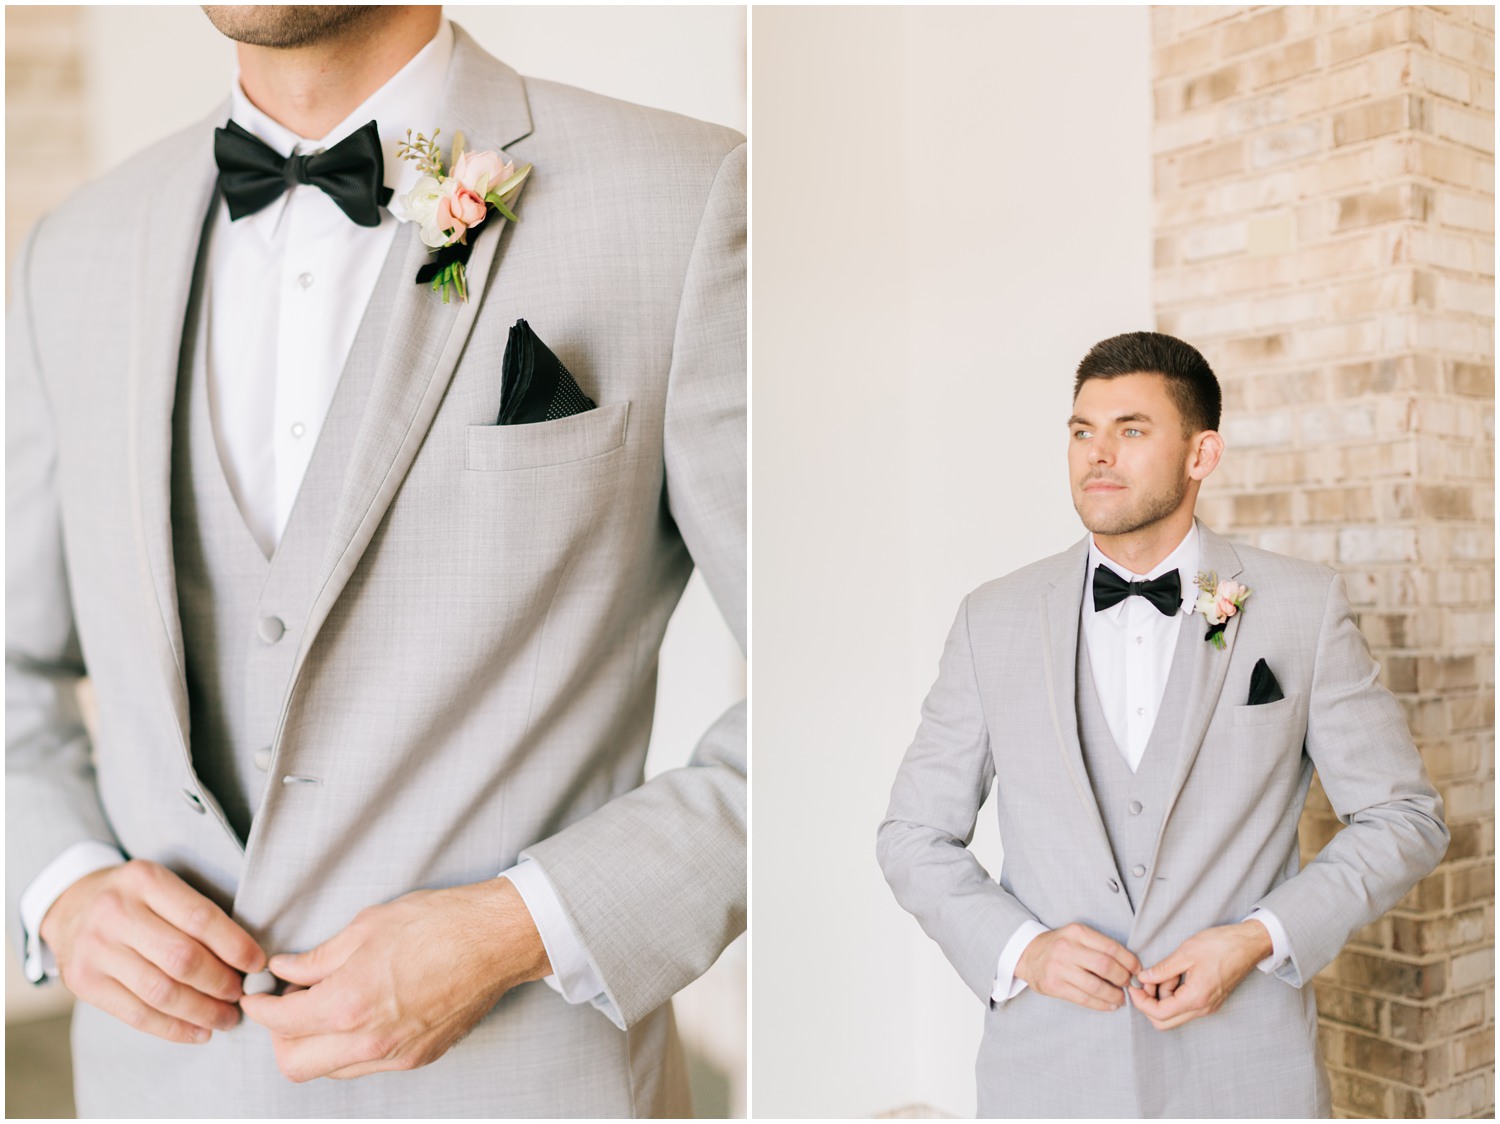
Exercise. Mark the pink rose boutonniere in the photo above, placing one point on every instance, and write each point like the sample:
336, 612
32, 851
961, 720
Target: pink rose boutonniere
449, 205
1218, 601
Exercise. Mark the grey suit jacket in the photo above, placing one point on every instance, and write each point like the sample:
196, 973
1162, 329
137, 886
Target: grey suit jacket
1002, 713
475, 680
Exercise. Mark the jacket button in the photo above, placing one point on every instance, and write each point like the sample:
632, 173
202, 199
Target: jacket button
1135, 807
1114, 887
194, 802
262, 758
1138, 870
271, 629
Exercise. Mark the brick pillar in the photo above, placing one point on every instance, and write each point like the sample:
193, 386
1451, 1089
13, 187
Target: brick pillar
1325, 235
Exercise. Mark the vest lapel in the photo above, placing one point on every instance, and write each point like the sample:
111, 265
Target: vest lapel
166, 255
1061, 608
1210, 667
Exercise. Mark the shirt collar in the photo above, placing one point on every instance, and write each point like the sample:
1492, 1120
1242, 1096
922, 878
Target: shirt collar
1184, 559
410, 99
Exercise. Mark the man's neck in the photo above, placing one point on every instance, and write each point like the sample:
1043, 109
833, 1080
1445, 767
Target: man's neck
1142, 551
311, 89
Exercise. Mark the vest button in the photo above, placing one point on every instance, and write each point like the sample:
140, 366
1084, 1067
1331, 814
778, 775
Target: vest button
1135, 807
263, 758
1138, 870
1114, 887
270, 629
194, 802
260, 983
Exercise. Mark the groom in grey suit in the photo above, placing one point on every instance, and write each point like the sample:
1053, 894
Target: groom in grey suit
343, 685
1149, 707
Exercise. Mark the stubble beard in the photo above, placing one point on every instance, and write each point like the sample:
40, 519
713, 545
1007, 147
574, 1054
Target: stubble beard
1151, 509
288, 25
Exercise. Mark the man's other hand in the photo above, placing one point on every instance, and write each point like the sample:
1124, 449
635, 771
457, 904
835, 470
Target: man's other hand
138, 942
401, 983
1080, 965
1203, 972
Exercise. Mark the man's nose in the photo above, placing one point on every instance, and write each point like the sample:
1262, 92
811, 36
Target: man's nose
1101, 451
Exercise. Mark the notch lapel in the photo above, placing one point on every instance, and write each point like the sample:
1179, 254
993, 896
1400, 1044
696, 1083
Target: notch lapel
1210, 668
1061, 607
486, 101
167, 256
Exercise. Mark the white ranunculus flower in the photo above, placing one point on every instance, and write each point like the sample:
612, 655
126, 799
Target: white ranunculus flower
419, 205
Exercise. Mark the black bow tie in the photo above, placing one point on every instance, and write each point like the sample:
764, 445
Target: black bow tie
253, 175
1164, 592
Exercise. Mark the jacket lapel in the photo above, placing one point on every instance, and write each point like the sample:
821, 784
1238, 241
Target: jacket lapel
167, 257
1061, 607
423, 338
1210, 667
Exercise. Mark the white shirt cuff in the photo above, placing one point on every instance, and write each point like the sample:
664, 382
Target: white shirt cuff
574, 976
1006, 985
80, 859
1280, 946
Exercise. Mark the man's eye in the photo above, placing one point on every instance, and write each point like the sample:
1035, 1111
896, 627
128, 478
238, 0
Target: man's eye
1082, 433
1132, 432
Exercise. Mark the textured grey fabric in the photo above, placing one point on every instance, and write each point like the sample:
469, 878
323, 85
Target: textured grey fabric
471, 613
1003, 712
1131, 804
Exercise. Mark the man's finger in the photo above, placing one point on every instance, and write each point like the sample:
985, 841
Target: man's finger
1092, 938
161, 992
1174, 965
114, 998
1106, 967
316, 964
323, 1055
182, 907
301, 1014
1090, 984
181, 957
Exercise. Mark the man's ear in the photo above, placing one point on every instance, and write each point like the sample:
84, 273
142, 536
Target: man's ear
1208, 447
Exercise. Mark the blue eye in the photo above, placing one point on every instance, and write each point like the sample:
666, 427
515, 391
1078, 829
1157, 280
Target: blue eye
1133, 430
1077, 433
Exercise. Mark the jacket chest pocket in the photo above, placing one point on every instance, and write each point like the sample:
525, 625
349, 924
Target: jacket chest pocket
580, 437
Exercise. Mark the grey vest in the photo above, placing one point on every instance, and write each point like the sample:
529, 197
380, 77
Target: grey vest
241, 613
1132, 804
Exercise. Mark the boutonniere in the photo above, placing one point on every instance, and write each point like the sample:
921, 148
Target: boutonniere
450, 205
1218, 601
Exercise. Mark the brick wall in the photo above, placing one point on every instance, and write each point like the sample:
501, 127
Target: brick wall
1324, 191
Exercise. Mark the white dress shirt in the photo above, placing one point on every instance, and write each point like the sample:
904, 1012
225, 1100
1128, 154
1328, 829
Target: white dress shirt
286, 289
1131, 645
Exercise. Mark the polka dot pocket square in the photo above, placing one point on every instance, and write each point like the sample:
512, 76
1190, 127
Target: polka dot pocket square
534, 385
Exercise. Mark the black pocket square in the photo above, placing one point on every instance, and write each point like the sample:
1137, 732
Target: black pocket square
534, 385
1263, 685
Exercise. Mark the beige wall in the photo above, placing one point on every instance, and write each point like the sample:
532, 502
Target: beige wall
950, 206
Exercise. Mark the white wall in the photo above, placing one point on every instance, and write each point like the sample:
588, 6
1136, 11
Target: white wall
152, 70
950, 206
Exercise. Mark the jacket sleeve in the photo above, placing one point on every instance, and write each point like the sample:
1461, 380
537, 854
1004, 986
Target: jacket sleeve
51, 802
1394, 834
655, 880
923, 843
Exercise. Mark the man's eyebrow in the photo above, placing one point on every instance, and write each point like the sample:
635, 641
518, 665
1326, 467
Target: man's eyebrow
1077, 420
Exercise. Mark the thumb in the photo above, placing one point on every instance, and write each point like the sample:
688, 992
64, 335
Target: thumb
314, 965
1170, 968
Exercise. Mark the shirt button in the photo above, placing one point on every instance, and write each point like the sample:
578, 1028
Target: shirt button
262, 758
1138, 870
1135, 807
298, 429
1140, 639
305, 280
270, 629
1140, 711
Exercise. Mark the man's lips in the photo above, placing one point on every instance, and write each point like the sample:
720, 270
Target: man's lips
1102, 486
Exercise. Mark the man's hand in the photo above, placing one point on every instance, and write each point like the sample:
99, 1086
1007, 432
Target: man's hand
1202, 973
1080, 965
401, 983
140, 943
